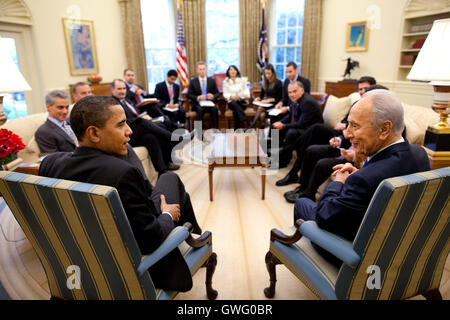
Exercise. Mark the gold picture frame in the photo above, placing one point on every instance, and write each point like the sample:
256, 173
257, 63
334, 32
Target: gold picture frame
357, 36
80, 44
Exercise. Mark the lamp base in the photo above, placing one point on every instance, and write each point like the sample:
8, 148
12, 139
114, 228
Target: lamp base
436, 140
438, 159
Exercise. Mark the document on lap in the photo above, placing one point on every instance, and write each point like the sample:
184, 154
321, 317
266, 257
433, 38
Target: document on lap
206, 103
274, 112
264, 105
169, 109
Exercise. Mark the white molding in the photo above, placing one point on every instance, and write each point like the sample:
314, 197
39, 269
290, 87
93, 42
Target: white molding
15, 11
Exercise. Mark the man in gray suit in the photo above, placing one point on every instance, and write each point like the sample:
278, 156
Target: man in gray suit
56, 134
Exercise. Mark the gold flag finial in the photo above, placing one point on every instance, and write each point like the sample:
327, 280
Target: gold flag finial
263, 3
178, 4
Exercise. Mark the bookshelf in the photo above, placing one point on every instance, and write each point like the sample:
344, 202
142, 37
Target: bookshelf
416, 27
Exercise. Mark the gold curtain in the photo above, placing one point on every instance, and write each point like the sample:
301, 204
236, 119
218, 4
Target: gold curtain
193, 15
312, 28
134, 39
250, 12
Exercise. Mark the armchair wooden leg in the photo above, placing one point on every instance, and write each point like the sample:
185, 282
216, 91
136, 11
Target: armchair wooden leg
432, 294
271, 262
210, 265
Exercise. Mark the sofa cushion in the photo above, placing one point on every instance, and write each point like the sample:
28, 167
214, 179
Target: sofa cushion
336, 109
417, 119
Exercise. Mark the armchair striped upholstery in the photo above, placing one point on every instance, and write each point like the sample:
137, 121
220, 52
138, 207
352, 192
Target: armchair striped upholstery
404, 235
84, 225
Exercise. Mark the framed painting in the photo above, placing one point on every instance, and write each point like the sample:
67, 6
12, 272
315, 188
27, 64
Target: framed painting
357, 36
80, 44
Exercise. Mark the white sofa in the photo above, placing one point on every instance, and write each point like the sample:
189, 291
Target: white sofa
416, 118
26, 126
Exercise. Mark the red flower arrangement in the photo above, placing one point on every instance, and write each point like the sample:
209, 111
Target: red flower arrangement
10, 144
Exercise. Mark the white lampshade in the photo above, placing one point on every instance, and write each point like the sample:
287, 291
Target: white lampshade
11, 80
433, 61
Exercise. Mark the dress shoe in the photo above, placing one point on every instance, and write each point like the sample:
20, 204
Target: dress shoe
172, 166
288, 179
296, 190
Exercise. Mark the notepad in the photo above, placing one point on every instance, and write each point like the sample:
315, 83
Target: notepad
170, 110
158, 119
274, 112
149, 99
264, 105
206, 103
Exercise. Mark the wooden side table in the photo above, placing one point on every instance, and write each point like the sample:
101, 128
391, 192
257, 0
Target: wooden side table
341, 88
29, 168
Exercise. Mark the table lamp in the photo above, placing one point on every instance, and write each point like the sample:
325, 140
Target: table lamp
433, 64
11, 80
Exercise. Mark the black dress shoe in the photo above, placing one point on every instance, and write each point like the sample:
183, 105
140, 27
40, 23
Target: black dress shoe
172, 166
296, 190
288, 179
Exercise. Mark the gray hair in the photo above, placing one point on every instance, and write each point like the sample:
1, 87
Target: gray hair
199, 63
386, 106
50, 98
300, 85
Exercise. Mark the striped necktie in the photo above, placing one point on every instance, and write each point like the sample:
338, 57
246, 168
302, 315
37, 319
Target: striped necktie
70, 132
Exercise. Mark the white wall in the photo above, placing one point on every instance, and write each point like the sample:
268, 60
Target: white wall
381, 58
50, 46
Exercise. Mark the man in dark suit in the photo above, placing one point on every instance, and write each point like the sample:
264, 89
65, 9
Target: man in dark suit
101, 127
375, 126
168, 92
156, 138
304, 111
55, 134
203, 88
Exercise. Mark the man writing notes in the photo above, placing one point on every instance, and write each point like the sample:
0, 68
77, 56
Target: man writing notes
203, 93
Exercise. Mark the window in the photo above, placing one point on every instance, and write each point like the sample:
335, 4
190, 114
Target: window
159, 39
222, 34
14, 104
286, 34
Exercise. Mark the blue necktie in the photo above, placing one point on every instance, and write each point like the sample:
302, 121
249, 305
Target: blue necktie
365, 162
203, 87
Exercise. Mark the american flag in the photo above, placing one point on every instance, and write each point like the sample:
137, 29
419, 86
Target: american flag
182, 68
262, 45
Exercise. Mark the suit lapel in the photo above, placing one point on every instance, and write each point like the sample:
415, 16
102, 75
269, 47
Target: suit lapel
60, 131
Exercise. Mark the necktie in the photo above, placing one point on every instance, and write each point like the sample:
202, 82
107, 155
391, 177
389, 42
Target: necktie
170, 95
203, 87
130, 107
294, 108
138, 98
70, 133
365, 162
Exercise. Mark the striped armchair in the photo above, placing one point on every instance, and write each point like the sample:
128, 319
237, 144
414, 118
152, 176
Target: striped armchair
83, 239
399, 251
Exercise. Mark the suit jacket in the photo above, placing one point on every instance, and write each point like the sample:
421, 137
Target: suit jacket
195, 89
131, 96
307, 113
162, 93
306, 85
52, 138
342, 206
149, 226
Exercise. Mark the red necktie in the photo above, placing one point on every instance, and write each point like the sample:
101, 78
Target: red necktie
294, 107
170, 95
138, 98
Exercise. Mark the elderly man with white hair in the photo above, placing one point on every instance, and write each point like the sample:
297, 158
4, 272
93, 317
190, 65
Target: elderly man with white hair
375, 126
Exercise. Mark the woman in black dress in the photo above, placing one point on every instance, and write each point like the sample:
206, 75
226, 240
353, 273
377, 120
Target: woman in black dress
271, 93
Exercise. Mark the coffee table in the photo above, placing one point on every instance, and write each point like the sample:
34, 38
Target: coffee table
236, 150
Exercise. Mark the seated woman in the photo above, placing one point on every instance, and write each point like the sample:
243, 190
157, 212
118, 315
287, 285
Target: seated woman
236, 92
271, 92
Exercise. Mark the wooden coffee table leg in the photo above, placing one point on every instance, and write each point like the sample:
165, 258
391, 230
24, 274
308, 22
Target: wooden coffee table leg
263, 182
210, 174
